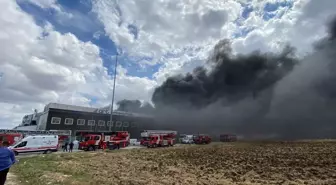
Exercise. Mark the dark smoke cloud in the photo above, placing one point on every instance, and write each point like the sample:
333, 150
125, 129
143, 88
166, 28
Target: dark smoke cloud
332, 29
232, 78
135, 106
266, 94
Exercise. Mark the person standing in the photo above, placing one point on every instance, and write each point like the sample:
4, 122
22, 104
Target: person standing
65, 149
71, 145
7, 159
76, 144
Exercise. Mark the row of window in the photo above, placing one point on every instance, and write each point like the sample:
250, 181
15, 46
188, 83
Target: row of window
70, 121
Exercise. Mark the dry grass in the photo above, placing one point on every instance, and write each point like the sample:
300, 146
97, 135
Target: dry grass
240, 163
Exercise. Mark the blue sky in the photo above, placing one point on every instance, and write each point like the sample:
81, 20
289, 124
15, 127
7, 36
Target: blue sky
85, 25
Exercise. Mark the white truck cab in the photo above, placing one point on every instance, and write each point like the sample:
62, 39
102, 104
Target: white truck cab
36, 144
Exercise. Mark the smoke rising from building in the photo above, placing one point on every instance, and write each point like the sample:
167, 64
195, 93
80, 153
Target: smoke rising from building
135, 106
231, 79
273, 95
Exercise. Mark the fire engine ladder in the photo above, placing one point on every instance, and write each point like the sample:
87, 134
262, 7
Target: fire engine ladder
160, 132
37, 132
147, 133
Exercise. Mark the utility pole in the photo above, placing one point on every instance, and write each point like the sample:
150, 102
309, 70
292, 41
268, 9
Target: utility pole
113, 91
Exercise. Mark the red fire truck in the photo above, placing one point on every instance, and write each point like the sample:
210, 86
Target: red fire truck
158, 138
202, 139
94, 140
13, 136
228, 138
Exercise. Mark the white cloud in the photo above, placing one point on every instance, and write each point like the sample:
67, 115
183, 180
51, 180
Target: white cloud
12, 113
43, 3
166, 30
40, 65
300, 26
163, 26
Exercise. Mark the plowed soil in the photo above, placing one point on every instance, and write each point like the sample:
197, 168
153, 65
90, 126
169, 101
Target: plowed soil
233, 163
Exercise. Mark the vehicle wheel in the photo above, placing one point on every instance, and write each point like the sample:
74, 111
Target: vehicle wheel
16, 153
90, 148
154, 145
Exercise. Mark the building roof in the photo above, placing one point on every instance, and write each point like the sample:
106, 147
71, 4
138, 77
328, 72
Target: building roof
68, 107
103, 110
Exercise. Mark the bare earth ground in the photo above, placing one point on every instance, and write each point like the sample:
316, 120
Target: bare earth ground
12, 179
239, 163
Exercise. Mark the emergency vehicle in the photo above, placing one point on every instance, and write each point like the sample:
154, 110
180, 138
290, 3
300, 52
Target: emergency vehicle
11, 138
36, 144
15, 136
186, 139
158, 138
202, 139
97, 140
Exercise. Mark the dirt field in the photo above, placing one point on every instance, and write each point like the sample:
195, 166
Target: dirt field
240, 163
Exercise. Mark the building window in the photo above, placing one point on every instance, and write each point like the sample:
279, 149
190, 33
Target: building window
126, 124
101, 123
68, 121
109, 123
118, 124
91, 122
81, 122
56, 120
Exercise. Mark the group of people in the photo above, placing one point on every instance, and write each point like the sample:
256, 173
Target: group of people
7, 159
69, 146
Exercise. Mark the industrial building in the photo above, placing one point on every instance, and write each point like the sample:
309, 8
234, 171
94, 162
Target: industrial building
80, 119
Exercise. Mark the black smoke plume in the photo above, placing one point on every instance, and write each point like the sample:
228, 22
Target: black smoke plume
135, 106
259, 94
232, 78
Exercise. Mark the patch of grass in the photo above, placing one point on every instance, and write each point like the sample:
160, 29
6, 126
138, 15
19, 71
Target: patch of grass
226, 163
37, 170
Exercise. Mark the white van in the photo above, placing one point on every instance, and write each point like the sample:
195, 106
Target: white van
36, 144
134, 142
187, 139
